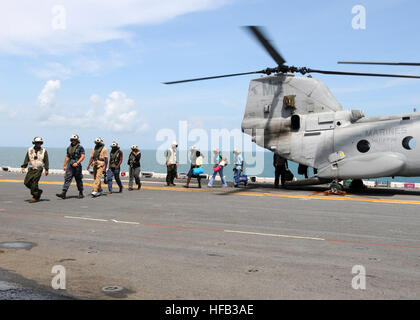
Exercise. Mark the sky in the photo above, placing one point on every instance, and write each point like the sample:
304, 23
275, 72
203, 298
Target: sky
96, 67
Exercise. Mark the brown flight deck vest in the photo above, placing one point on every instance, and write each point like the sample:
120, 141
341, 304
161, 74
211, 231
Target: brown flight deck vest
97, 161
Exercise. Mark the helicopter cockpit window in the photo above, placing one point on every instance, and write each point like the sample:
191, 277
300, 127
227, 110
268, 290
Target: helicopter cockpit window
409, 143
363, 146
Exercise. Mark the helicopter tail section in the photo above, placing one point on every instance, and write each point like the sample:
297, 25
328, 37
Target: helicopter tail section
277, 104
281, 96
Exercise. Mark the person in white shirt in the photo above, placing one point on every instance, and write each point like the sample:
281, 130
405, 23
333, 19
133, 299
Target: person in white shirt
193, 156
171, 164
196, 170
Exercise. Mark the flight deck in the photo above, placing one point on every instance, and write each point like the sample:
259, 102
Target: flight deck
165, 242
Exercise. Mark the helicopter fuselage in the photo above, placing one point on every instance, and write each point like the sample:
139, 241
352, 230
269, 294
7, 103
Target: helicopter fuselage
300, 119
367, 148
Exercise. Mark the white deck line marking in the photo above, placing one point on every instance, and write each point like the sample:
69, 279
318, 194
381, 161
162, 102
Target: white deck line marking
230, 231
126, 222
83, 218
273, 235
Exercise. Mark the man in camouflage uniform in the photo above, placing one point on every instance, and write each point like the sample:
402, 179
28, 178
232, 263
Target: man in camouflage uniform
134, 164
37, 158
115, 160
72, 166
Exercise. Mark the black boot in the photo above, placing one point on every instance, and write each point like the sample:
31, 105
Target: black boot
61, 195
188, 183
139, 186
81, 196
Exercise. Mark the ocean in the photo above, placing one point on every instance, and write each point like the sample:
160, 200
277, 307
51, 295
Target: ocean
258, 163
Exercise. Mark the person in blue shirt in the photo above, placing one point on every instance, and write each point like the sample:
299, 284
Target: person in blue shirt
238, 166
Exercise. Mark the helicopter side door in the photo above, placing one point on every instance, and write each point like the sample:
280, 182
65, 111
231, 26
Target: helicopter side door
317, 140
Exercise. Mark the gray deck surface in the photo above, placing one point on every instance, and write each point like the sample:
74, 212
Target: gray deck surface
176, 243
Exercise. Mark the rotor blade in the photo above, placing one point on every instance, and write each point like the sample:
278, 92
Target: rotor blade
362, 74
215, 77
259, 35
381, 63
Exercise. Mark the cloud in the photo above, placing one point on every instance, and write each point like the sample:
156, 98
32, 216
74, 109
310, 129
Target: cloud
53, 70
120, 114
79, 65
47, 97
117, 113
95, 98
28, 26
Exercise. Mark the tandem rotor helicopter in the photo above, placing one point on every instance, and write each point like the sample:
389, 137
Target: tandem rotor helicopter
303, 122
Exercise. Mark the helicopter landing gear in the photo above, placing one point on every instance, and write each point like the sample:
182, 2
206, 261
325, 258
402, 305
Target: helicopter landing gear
336, 188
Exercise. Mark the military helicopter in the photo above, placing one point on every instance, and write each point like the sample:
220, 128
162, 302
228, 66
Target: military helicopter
303, 122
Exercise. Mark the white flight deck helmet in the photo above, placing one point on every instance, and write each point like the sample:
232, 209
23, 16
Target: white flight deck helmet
236, 153
114, 145
134, 147
37, 139
193, 151
216, 152
99, 140
75, 137
174, 145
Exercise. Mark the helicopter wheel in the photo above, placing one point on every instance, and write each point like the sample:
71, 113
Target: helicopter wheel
336, 187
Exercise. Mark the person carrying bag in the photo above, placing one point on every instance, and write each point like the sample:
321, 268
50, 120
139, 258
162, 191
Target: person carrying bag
196, 170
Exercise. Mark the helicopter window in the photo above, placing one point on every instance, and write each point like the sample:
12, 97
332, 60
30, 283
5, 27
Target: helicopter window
363, 146
409, 143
